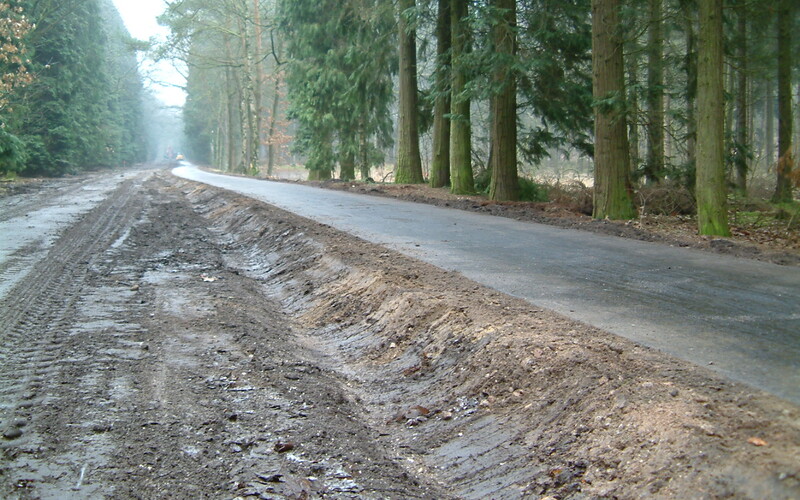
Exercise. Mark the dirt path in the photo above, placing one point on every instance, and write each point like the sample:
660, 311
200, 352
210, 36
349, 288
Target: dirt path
178, 341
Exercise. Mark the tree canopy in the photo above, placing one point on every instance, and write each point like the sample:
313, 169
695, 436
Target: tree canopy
71, 91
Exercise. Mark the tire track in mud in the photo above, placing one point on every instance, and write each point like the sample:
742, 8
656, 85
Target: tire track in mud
143, 368
37, 320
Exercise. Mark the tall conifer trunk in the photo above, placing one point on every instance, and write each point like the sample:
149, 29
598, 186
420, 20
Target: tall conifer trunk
461, 178
409, 164
783, 188
712, 211
612, 188
742, 136
504, 184
690, 63
654, 169
440, 164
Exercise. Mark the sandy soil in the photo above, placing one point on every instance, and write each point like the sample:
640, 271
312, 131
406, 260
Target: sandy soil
179, 341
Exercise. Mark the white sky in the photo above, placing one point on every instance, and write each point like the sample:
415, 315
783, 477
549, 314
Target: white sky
140, 19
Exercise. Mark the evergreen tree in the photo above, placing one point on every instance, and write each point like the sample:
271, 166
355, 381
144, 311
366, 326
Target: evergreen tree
440, 162
339, 76
783, 188
84, 108
612, 189
409, 164
712, 213
504, 184
461, 178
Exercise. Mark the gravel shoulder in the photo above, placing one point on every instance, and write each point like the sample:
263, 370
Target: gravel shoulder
181, 341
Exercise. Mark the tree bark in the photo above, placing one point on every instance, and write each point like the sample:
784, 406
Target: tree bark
612, 187
783, 188
654, 169
440, 164
769, 116
742, 136
633, 114
504, 184
272, 142
461, 178
409, 164
712, 210
690, 62
347, 167
258, 95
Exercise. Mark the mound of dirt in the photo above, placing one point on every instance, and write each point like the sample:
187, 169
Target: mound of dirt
489, 397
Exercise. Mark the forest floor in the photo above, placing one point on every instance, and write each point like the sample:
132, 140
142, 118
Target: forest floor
175, 340
756, 232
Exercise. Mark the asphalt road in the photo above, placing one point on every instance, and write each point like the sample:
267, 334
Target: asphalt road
739, 317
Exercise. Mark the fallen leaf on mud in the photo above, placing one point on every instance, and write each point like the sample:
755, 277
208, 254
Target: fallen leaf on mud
284, 447
413, 415
757, 441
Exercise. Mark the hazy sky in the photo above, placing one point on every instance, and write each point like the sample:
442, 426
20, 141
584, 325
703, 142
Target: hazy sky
140, 19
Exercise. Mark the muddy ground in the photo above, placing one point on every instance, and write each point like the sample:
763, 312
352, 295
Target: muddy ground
180, 341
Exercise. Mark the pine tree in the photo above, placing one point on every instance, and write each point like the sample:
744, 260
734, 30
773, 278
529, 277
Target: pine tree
409, 165
712, 213
783, 187
461, 178
440, 163
612, 188
504, 183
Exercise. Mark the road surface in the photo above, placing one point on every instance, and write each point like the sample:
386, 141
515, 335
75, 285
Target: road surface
739, 317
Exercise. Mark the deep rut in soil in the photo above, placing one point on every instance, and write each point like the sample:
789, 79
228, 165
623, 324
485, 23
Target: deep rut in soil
181, 341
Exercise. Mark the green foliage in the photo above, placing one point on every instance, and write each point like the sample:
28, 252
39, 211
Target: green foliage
83, 109
13, 153
340, 78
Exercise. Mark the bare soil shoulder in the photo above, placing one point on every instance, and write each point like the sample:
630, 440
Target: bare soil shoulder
182, 341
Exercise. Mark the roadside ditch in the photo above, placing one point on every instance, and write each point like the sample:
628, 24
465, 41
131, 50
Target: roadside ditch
488, 396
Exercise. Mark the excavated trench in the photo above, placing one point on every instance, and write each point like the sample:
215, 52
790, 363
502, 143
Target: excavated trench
486, 396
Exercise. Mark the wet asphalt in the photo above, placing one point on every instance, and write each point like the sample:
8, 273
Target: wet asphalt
738, 317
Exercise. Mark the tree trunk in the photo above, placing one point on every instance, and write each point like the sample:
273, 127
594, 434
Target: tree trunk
363, 148
742, 146
712, 211
440, 164
272, 141
654, 169
633, 114
347, 167
461, 178
409, 164
504, 184
769, 117
612, 187
258, 94
690, 62
783, 188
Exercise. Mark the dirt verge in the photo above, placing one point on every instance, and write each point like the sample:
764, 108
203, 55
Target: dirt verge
493, 398
182, 341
